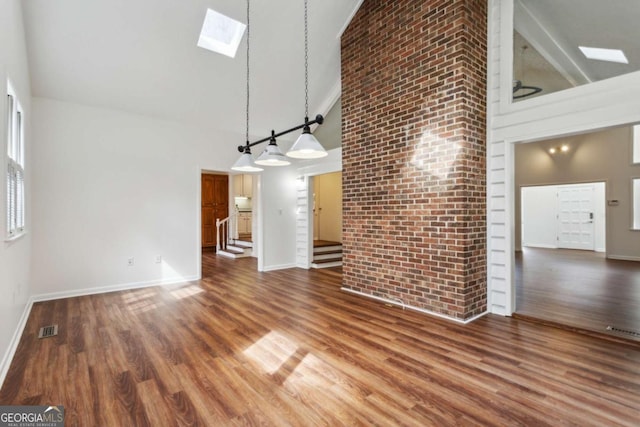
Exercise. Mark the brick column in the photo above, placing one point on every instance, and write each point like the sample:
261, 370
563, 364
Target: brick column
414, 139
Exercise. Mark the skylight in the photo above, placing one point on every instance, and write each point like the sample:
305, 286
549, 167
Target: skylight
609, 55
221, 34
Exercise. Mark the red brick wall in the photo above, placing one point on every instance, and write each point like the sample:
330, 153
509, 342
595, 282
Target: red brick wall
414, 138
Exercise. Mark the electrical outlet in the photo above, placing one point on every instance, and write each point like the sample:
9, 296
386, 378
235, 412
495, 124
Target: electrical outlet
131, 262
158, 259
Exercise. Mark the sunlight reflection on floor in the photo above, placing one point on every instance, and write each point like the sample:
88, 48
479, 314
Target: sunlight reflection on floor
186, 292
271, 351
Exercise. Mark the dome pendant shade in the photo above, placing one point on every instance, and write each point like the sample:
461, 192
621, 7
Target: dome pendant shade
307, 147
272, 156
245, 163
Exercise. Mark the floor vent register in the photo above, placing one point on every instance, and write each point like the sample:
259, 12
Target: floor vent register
48, 331
623, 331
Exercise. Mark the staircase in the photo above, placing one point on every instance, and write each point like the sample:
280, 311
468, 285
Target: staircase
236, 249
326, 254
228, 243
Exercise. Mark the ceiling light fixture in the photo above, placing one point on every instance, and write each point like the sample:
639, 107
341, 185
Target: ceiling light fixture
272, 156
563, 148
609, 55
521, 90
306, 146
245, 162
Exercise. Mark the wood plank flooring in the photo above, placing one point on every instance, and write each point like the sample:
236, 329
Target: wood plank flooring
323, 243
289, 348
580, 289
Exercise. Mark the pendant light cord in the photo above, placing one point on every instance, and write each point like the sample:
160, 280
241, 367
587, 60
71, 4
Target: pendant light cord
306, 64
248, 33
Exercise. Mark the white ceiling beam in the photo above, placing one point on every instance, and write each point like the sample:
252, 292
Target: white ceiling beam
551, 49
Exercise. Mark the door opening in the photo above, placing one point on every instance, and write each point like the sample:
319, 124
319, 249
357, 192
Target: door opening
327, 207
214, 204
568, 216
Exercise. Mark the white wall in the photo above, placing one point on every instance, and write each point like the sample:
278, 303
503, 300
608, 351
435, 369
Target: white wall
277, 218
599, 105
282, 215
110, 185
539, 227
636, 144
600, 216
636, 203
14, 255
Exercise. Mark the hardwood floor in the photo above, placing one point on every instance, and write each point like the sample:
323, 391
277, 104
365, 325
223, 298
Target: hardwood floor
289, 348
581, 289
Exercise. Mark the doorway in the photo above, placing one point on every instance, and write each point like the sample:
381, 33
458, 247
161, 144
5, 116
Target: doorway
214, 205
576, 259
327, 207
568, 216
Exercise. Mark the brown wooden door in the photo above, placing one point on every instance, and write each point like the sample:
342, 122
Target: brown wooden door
215, 205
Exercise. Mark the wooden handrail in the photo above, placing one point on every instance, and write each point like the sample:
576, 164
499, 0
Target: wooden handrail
223, 234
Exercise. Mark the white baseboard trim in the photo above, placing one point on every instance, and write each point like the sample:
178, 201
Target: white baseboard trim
279, 267
410, 307
112, 288
624, 257
15, 340
540, 245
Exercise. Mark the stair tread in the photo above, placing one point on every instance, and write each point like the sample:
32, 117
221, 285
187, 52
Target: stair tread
233, 251
323, 243
328, 251
322, 261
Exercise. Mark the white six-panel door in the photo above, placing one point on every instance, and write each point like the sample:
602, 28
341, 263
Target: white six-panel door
575, 217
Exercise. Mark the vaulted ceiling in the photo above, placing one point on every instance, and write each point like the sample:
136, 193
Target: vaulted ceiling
141, 57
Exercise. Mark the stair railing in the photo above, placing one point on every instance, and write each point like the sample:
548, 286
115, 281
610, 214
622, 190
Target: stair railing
226, 230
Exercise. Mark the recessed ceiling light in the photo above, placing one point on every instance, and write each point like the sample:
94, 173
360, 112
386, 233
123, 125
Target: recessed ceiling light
221, 34
610, 55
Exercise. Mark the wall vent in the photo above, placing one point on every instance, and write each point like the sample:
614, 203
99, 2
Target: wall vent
48, 331
635, 334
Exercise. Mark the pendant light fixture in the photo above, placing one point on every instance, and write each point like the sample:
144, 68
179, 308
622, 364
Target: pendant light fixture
520, 90
307, 146
272, 156
245, 162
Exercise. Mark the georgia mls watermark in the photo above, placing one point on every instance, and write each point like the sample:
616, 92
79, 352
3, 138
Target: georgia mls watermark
31, 416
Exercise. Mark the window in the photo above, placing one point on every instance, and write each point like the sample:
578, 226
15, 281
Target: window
15, 165
635, 188
221, 34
